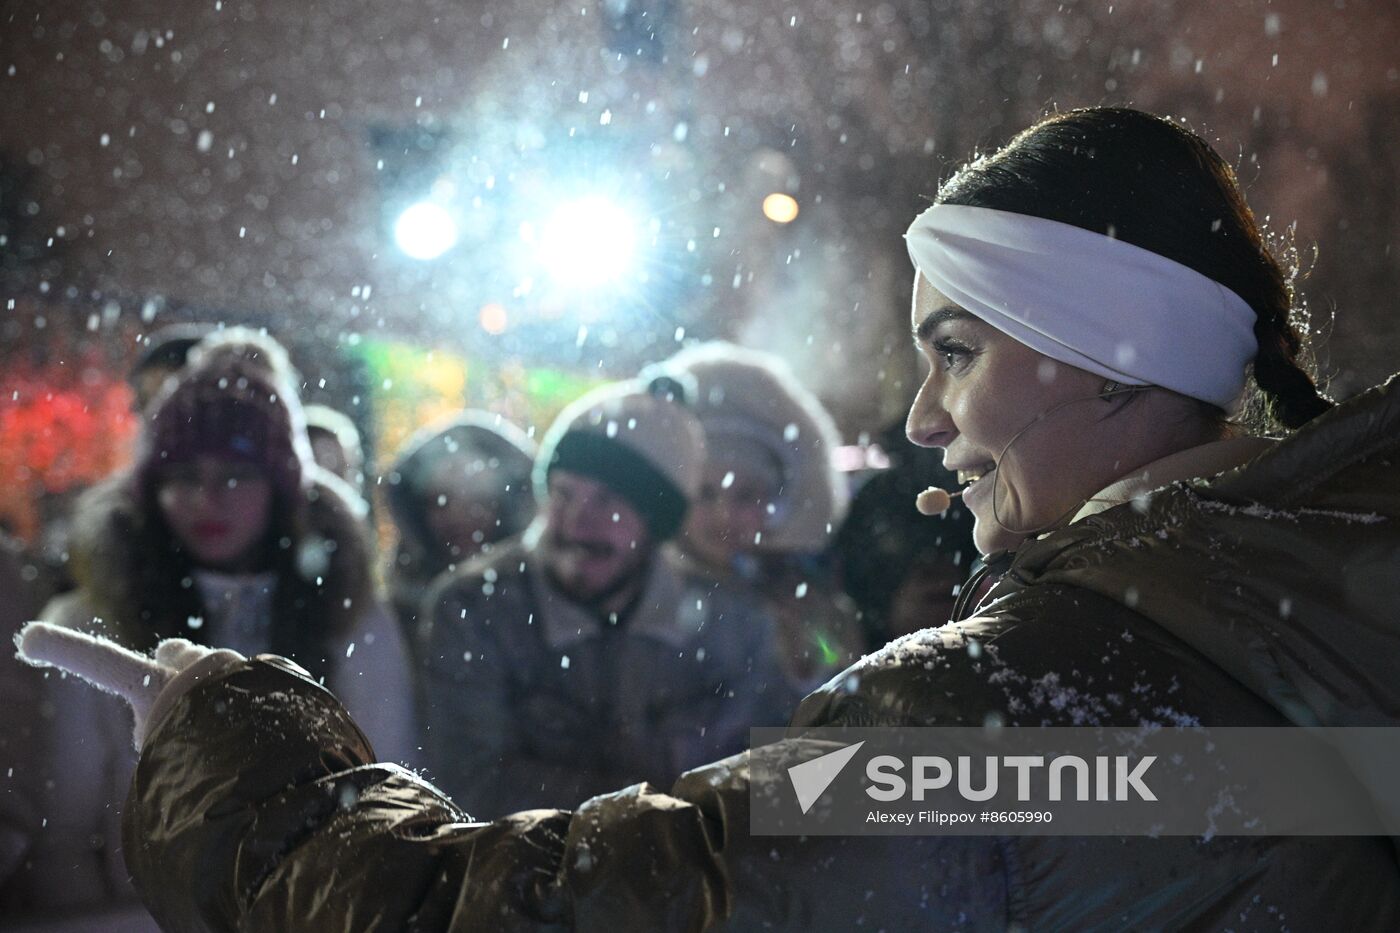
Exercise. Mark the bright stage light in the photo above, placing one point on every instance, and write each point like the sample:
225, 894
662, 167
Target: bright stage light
588, 242
425, 230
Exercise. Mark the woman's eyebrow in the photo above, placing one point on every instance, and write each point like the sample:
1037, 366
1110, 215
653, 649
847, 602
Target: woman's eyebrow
924, 332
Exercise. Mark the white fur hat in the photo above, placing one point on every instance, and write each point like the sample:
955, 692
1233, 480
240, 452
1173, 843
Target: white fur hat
747, 399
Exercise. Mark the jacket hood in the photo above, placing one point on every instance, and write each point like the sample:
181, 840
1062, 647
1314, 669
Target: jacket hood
496, 455
1282, 571
125, 583
746, 396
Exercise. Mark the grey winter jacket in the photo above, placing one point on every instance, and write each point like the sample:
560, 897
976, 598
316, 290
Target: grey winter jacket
531, 700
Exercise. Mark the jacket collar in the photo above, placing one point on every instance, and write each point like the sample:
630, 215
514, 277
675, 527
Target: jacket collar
655, 614
1195, 462
1286, 469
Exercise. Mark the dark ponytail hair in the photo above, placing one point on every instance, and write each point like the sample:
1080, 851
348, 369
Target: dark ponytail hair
1152, 183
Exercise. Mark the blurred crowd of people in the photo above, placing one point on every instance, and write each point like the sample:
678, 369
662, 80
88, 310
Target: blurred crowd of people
676, 560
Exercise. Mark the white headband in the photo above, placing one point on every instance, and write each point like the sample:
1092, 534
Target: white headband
1089, 300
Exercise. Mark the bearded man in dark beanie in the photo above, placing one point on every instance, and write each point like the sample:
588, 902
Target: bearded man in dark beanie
580, 658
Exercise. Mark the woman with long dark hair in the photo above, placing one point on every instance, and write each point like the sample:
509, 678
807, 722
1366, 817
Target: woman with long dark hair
221, 532
1095, 303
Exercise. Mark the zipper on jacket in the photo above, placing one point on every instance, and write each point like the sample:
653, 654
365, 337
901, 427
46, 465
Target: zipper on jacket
998, 564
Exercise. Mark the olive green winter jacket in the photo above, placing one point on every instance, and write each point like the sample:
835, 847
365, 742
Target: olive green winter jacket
1269, 595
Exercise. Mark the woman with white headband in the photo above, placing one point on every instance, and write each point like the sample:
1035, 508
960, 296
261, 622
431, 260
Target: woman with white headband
1088, 344
1090, 300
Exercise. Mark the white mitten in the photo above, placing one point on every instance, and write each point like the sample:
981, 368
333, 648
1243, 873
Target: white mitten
135, 677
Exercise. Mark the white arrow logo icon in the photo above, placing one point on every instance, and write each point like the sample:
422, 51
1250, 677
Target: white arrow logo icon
811, 778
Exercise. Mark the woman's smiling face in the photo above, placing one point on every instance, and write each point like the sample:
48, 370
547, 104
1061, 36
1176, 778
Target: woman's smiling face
982, 391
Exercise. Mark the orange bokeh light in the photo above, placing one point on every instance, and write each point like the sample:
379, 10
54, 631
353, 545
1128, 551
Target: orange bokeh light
493, 319
780, 208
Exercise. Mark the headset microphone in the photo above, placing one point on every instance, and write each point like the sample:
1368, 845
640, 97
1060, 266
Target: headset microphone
935, 501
